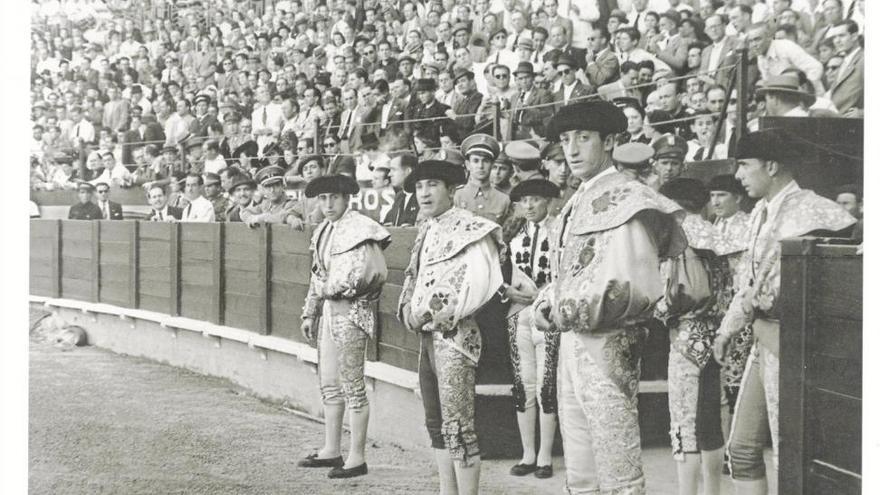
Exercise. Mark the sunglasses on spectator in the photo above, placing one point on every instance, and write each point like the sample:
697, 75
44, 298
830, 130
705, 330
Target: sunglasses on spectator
369, 52
833, 66
103, 191
330, 143
565, 71
502, 76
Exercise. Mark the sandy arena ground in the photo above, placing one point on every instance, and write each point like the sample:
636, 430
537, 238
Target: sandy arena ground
103, 423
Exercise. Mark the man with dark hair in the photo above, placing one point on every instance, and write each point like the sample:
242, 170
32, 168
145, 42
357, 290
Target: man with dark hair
276, 207
199, 209
161, 211
453, 249
602, 64
600, 302
110, 210
466, 100
847, 91
405, 209
85, 209
767, 161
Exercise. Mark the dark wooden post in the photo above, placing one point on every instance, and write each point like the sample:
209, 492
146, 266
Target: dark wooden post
496, 121
133, 264
56, 259
174, 260
742, 94
217, 298
96, 260
265, 295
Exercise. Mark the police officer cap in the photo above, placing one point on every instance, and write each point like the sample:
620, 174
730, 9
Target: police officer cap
211, 178
85, 186
594, 115
232, 116
449, 173
534, 187
523, 150
670, 146
330, 184
767, 144
726, 182
248, 148
270, 175
452, 156
682, 190
552, 151
169, 149
482, 144
201, 97
242, 180
633, 155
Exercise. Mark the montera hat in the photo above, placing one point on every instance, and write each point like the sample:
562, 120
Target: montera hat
635, 156
727, 183
483, 144
449, 173
331, 184
670, 146
767, 144
534, 187
308, 159
686, 190
594, 115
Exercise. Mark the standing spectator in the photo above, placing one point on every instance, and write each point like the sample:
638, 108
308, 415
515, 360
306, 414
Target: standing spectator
847, 90
602, 64
532, 107
405, 208
266, 118
774, 56
478, 195
115, 110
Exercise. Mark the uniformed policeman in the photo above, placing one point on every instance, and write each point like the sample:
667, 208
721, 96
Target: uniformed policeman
669, 151
554, 164
634, 160
213, 193
478, 195
85, 209
276, 207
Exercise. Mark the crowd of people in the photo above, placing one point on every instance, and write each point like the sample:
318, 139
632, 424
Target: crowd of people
539, 149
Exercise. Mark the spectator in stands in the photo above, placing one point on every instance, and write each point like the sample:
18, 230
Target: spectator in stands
110, 210
161, 211
85, 209
405, 208
199, 208
276, 207
669, 153
241, 192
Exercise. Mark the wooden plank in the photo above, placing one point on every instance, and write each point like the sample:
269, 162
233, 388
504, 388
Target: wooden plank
837, 337
286, 326
397, 253
115, 253
155, 289
263, 277
842, 375
76, 289
76, 230
289, 241
251, 265
835, 422
196, 250
792, 373
823, 479
242, 304
200, 274
152, 302
115, 273
115, 293
43, 227
394, 333
291, 268
41, 268
40, 286
246, 322
116, 231
152, 257
154, 274
239, 233
395, 277
78, 269
41, 249
837, 288
76, 248
155, 231
288, 295
198, 232
242, 282
56, 260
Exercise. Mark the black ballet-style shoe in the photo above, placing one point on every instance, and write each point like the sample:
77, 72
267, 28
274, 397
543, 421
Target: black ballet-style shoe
544, 472
341, 472
523, 469
312, 461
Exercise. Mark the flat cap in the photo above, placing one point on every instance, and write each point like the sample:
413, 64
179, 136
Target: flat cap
269, 175
670, 146
726, 182
460, 72
633, 155
330, 184
593, 115
525, 68
768, 144
242, 180
459, 26
785, 83
482, 144
525, 42
449, 173
169, 149
534, 187
565, 60
201, 97
406, 56
686, 190
497, 32
211, 178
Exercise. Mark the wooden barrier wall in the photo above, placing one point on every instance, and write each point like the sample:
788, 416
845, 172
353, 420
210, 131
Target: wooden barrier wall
229, 274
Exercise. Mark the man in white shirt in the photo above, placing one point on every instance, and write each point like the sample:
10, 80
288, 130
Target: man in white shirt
267, 118
199, 208
774, 56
